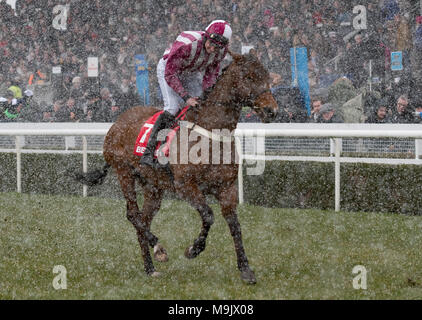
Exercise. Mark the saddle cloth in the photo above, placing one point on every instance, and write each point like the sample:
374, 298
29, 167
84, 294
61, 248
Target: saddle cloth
144, 135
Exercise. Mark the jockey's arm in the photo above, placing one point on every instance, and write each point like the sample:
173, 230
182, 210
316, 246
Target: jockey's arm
174, 68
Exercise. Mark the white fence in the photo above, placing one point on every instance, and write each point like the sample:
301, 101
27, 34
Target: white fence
245, 132
19, 130
335, 132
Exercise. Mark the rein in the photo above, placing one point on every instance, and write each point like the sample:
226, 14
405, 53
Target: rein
198, 129
206, 133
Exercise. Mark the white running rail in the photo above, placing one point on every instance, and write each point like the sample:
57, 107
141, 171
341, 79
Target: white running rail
249, 130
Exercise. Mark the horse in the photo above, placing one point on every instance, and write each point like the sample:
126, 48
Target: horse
244, 82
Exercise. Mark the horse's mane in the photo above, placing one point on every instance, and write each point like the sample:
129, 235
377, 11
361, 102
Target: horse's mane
207, 92
248, 58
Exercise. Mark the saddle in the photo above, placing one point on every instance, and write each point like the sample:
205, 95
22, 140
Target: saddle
145, 132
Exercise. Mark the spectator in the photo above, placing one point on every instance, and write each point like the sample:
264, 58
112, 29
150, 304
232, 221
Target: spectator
58, 112
92, 106
116, 31
31, 111
105, 109
403, 40
314, 69
341, 13
402, 113
47, 114
291, 107
417, 51
78, 92
328, 114
70, 112
5, 104
291, 114
355, 64
389, 10
316, 103
333, 45
418, 113
262, 53
11, 106
379, 113
128, 96
278, 67
63, 91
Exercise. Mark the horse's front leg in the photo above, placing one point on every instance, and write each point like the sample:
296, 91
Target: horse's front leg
191, 193
228, 201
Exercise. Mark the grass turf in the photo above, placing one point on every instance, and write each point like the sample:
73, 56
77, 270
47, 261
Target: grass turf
296, 254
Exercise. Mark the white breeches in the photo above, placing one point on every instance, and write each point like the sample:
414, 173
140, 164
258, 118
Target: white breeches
192, 82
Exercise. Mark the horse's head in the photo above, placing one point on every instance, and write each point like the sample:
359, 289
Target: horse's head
252, 86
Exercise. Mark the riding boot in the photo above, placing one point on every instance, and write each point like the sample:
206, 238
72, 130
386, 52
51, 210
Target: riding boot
164, 121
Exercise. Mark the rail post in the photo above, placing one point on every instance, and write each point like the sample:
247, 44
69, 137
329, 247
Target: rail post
418, 148
239, 149
337, 143
84, 163
18, 163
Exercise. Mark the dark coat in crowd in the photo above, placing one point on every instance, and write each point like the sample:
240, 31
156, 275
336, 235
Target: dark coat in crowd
291, 106
334, 119
73, 113
3, 107
128, 99
418, 38
32, 111
373, 118
404, 117
101, 111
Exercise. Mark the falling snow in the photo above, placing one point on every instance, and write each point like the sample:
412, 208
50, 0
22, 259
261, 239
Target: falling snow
330, 62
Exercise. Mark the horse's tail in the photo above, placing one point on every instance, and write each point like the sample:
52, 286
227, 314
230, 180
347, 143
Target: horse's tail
94, 177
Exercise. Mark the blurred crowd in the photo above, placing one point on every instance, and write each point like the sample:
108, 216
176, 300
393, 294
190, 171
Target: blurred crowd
341, 60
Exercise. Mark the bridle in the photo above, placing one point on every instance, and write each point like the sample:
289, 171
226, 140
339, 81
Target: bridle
254, 97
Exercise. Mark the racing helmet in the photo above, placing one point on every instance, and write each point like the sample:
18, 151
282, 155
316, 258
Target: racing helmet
219, 32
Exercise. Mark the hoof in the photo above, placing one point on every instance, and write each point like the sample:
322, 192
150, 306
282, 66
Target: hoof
190, 253
248, 276
160, 254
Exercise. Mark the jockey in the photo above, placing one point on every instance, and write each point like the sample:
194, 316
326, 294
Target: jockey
188, 68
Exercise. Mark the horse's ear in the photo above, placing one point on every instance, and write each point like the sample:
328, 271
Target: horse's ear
235, 56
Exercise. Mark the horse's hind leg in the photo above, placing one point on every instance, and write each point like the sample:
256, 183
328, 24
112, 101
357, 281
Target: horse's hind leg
195, 197
228, 202
141, 222
152, 203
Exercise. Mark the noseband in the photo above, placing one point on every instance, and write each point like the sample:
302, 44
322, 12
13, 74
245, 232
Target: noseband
256, 96
253, 97
266, 109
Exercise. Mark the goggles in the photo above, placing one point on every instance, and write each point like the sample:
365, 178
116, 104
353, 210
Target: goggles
218, 39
